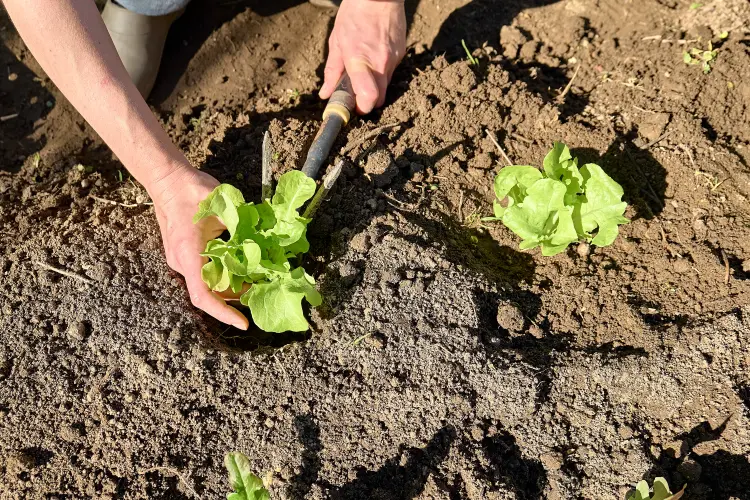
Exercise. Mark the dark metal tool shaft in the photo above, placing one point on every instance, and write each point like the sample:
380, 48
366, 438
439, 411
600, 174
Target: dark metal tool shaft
337, 114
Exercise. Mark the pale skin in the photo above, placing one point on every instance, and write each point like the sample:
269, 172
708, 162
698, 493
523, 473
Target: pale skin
69, 40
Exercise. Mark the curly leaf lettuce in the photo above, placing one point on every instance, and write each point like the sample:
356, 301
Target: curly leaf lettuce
262, 240
561, 205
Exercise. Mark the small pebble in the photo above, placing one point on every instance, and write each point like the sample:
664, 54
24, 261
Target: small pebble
13, 77
269, 423
584, 249
77, 331
85, 183
681, 266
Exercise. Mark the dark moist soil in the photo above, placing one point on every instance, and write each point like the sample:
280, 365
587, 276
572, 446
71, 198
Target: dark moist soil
445, 363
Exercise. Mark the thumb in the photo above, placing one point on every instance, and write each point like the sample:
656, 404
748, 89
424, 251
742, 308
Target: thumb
364, 84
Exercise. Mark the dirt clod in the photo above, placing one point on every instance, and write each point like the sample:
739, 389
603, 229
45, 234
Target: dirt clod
459, 78
510, 317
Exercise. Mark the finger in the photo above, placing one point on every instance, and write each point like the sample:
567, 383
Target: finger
213, 305
334, 68
203, 298
383, 81
364, 84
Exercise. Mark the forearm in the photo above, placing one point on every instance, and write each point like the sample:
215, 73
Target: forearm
69, 40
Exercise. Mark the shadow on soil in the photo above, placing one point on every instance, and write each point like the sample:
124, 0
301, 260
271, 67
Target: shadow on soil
404, 476
641, 176
525, 477
23, 101
718, 476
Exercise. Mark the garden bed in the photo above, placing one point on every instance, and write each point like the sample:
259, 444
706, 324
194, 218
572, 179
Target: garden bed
444, 362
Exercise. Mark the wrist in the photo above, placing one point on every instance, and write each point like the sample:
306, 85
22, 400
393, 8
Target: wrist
165, 179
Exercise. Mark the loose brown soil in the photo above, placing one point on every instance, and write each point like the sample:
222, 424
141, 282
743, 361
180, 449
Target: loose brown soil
445, 363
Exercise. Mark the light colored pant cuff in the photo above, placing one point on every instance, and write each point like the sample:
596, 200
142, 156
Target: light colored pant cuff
153, 7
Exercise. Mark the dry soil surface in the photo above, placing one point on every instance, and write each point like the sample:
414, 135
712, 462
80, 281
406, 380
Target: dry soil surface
444, 363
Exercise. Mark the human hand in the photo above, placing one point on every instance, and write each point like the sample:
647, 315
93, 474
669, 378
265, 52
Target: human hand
368, 41
176, 199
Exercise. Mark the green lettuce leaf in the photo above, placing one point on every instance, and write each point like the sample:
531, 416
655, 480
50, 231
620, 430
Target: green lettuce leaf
222, 203
293, 190
534, 218
277, 306
263, 239
215, 275
559, 206
246, 485
513, 182
602, 207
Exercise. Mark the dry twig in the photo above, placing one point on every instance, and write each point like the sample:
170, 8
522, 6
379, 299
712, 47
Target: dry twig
63, 272
267, 155
112, 202
499, 148
569, 86
726, 266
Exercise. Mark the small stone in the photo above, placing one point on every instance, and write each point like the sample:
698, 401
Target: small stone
360, 243
13, 77
551, 462
746, 265
77, 331
140, 199
375, 341
98, 183
583, 249
536, 331
269, 423
510, 317
394, 382
681, 266
372, 203
477, 434
85, 183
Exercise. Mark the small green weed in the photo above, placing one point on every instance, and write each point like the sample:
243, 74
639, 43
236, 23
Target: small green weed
472, 60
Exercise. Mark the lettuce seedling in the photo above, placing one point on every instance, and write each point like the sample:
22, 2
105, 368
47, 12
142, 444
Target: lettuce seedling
661, 491
560, 205
263, 239
246, 485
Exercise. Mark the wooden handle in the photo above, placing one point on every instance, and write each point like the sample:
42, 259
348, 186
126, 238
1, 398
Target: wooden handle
342, 101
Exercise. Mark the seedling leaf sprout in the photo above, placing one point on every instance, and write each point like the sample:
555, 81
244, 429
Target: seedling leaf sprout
263, 239
704, 58
472, 60
246, 485
560, 205
661, 491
